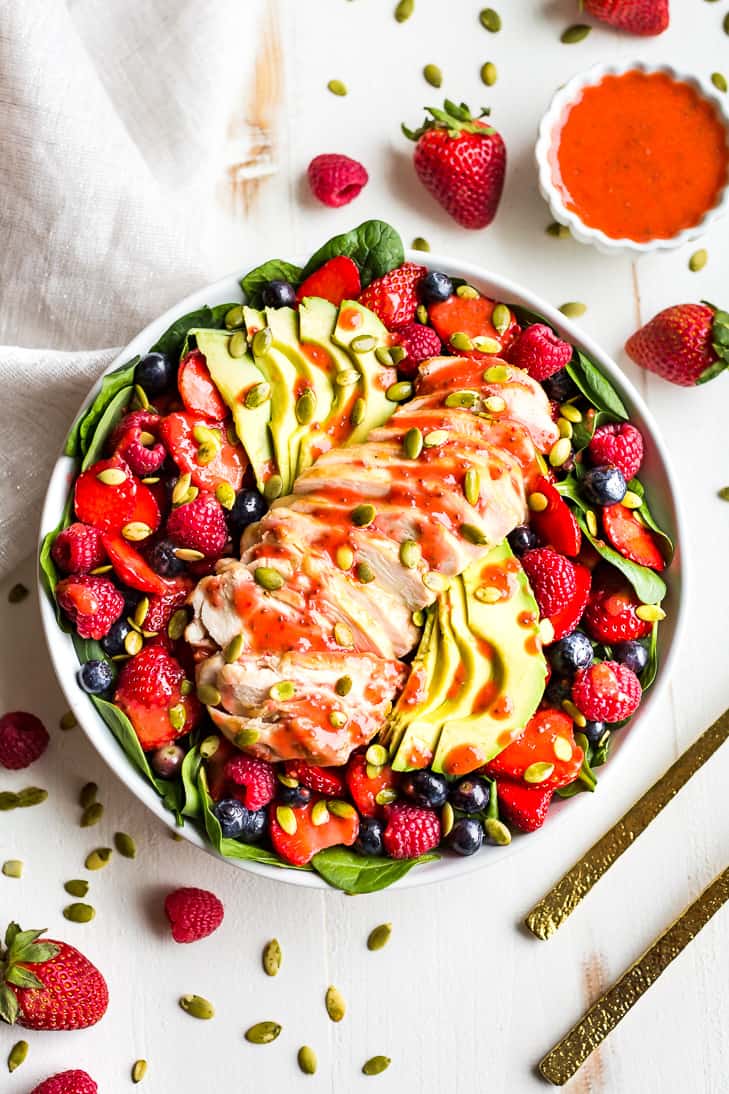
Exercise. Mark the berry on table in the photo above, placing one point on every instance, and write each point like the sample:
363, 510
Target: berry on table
23, 739
603, 485
606, 692
425, 788
167, 760
632, 654
470, 795
620, 444
155, 373
410, 831
335, 180
96, 677
67, 1082
435, 287
466, 836
193, 913
78, 549
571, 653
91, 603
369, 840
278, 294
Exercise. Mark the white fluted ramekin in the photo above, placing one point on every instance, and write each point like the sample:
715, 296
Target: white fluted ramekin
569, 93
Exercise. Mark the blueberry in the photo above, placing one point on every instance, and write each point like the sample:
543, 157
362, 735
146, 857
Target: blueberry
466, 836
113, 641
632, 654
96, 677
470, 794
596, 732
425, 788
295, 796
249, 507
571, 653
604, 485
522, 539
254, 825
369, 840
559, 386
558, 688
164, 561
278, 294
435, 287
155, 373
131, 599
167, 760
237, 822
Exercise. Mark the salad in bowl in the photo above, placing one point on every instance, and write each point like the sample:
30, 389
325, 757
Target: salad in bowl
359, 568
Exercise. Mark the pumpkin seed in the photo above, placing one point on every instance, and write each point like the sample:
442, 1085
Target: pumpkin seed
379, 936
399, 392
591, 521
376, 1065
136, 531
363, 515
409, 554
501, 318
358, 411
576, 33
287, 780
447, 817
306, 1059
257, 395
79, 913
177, 624
565, 428
343, 635
141, 396
246, 737
538, 772
404, 10
574, 712
559, 231
319, 814
177, 716
418, 618
724, 493
77, 887
139, 1070
435, 437
271, 957
560, 452
305, 407
8, 800
262, 341
347, 377
338, 719
282, 691
111, 476
337, 87
17, 1055
206, 453
725, 24
398, 354
13, 868
698, 260
365, 573
573, 309
462, 399
537, 502
268, 578
341, 809
376, 755
209, 747
234, 317
571, 413
473, 534
344, 556
718, 79
562, 749
490, 20
420, 244
334, 1002
225, 494
197, 1007
433, 75
412, 443
181, 488
363, 343
133, 643
125, 845
287, 819
435, 581
31, 795
92, 815
383, 355
272, 487
631, 500
650, 613
343, 685
98, 859
467, 292
459, 340
488, 594
497, 832
233, 650
487, 345
386, 796
148, 480
496, 374
238, 344
68, 721
489, 73
472, 486
421, 314
208, 695
262, 1033
88, 795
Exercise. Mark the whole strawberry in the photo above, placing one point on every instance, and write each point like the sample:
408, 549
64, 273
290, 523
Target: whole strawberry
687, 344
67, 1082
48, 985
644, 17
540, 352
393, 297
23, 738
462, 161
193, 914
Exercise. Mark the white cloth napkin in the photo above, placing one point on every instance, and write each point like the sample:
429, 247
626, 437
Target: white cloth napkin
118, 119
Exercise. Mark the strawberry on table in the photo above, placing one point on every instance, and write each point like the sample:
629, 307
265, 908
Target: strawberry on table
560, 587
540, 352
394, 297
67, 1082
631, 538
461, 160
606, 692
23, 739
472, 316
556, 525
335, 281
91, 603
545, 755
620, 444
193, 913
226, 462
301, 843
149, 691
522, 806
197, 390
410, 831
643, 17
687, 344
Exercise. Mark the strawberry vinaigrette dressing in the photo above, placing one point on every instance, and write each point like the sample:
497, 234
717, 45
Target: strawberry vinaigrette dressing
640, 156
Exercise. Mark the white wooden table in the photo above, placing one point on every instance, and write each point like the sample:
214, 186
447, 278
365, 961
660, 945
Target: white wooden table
462, 998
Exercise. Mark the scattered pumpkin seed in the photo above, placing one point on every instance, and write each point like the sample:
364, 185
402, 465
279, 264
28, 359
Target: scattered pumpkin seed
88, 795
139, 1070
306, 1059
343, 635
31, 795
487, 345
272, 487
17, 1055
283, 690
420, 244
305, 408
379, 936
501, 318
125, 845
724, 493
347, 377
68, 721
177, 716
246, 737
271, 957
383, 355
268, 578
337, 87
77, 887
473, 534
13, 868
363, 515
435, 437
433, 75
538, 772
319, 814
363, 343
376, 1065
18, 593
338, 719
718, 79
376, 755
496, 374
136, 531
489, 73
79, 913
447, 818
92, 815
565, 428
490, 20
562, 749
570, 412
181, 488
650, 613
573, 309
459, 340
238, 344
398, 354
725, 24
262, 1033
233, 650
287, 819
343, 685
574, 712
287, 780
412, 443
8, 800
698, 260
197, 1007
111, 476
365, 573
462, 399
560, 452
98, 859
399, 392
208, 695
591, 521
358, 411
576, 33
334, 1002
262, 341
234, 317
409, 554
386, 796
472, 486
559, 231
488, 594
497, 832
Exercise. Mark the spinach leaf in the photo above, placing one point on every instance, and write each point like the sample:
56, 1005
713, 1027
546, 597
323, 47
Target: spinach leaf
83, 429
648, 519
353, 873
253, 282
190, 805
106, 423
173, 339
48, 570
586, 780
374, 245
650, 588
594, 386
649, 673
584, 431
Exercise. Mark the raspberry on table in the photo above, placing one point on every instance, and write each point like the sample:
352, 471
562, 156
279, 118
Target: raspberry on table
67, 1082
193, 913
78, 549
92, 603
336, 179
23, 738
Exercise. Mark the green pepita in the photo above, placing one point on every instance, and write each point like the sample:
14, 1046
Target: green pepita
447, 818
208, 695
125, 845
418, 618
79, 913
141, 396
139, 1070
209, 746
358, 411
341, 809
650, 613
376, 1065
487, 345
376, 755
306, 1059
399, 392
287, 819
698, 260
538, 772
111, 476
497, 832
591, 521
238, 344
574, 712
724, 493
98, 859
435, 437
177, 624
319, 814
31, 795
571, 413
181, 488
334, 1002
496, 374
88, 795
337, 87
420, 244
343, 635
459, 340
206, 453
398, 354
379, 936
77, 887
421, 314
725, 24
412, 443
489, 73
343, 685
272, 487
305, 408
347, 377
467, 292
262, 341
8, 800
501, 318
433, 75
197, 1007
573, 309
562, 749
363, 515
262, 1033
365, 573
560, 452
386, 796
490, 20
338, 719
576, 33
268, 578
136, 531
559, 231
17, 1055
462, 399
225, 494
234, 317
472, 486
409, 554
473, 534
13, 868
344, 556
282, 691
718, 79
404, 10
565, 428
67, 721
383, 356
271, 957
488, 594
363, 343
246, 737
92, 815
435, 581
177, 716
257, 395
233, 650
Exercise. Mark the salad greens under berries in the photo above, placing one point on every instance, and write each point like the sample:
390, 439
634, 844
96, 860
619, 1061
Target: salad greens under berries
434, 721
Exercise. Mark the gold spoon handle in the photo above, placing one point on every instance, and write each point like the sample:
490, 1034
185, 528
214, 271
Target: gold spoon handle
550, 912
570, 1053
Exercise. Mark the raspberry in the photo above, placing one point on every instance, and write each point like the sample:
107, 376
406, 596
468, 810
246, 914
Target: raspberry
67, 1082
619, 443
552, 578
146, 421
193, 914
335, 179
199, 525
151, 677
91, 603
410, 831
23, 739
606, 692
142, 457
610, 613
539, 351
321, 779
78, 549
256, 776
420, 343
393, 297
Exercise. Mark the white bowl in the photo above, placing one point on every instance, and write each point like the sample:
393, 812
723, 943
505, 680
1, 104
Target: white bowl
661, 490
568, 94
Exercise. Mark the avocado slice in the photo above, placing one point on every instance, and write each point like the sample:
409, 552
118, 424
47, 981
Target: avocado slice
353, 321
233, 377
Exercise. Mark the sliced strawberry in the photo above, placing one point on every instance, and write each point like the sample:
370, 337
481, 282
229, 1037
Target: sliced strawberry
565, 621
335, 281
471, 316
523, 807
197, 390
364, 788
298, 848
149, 691
547, 739
132, 569
227, 465
631, 538
556, 525
324, 780
107, 507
